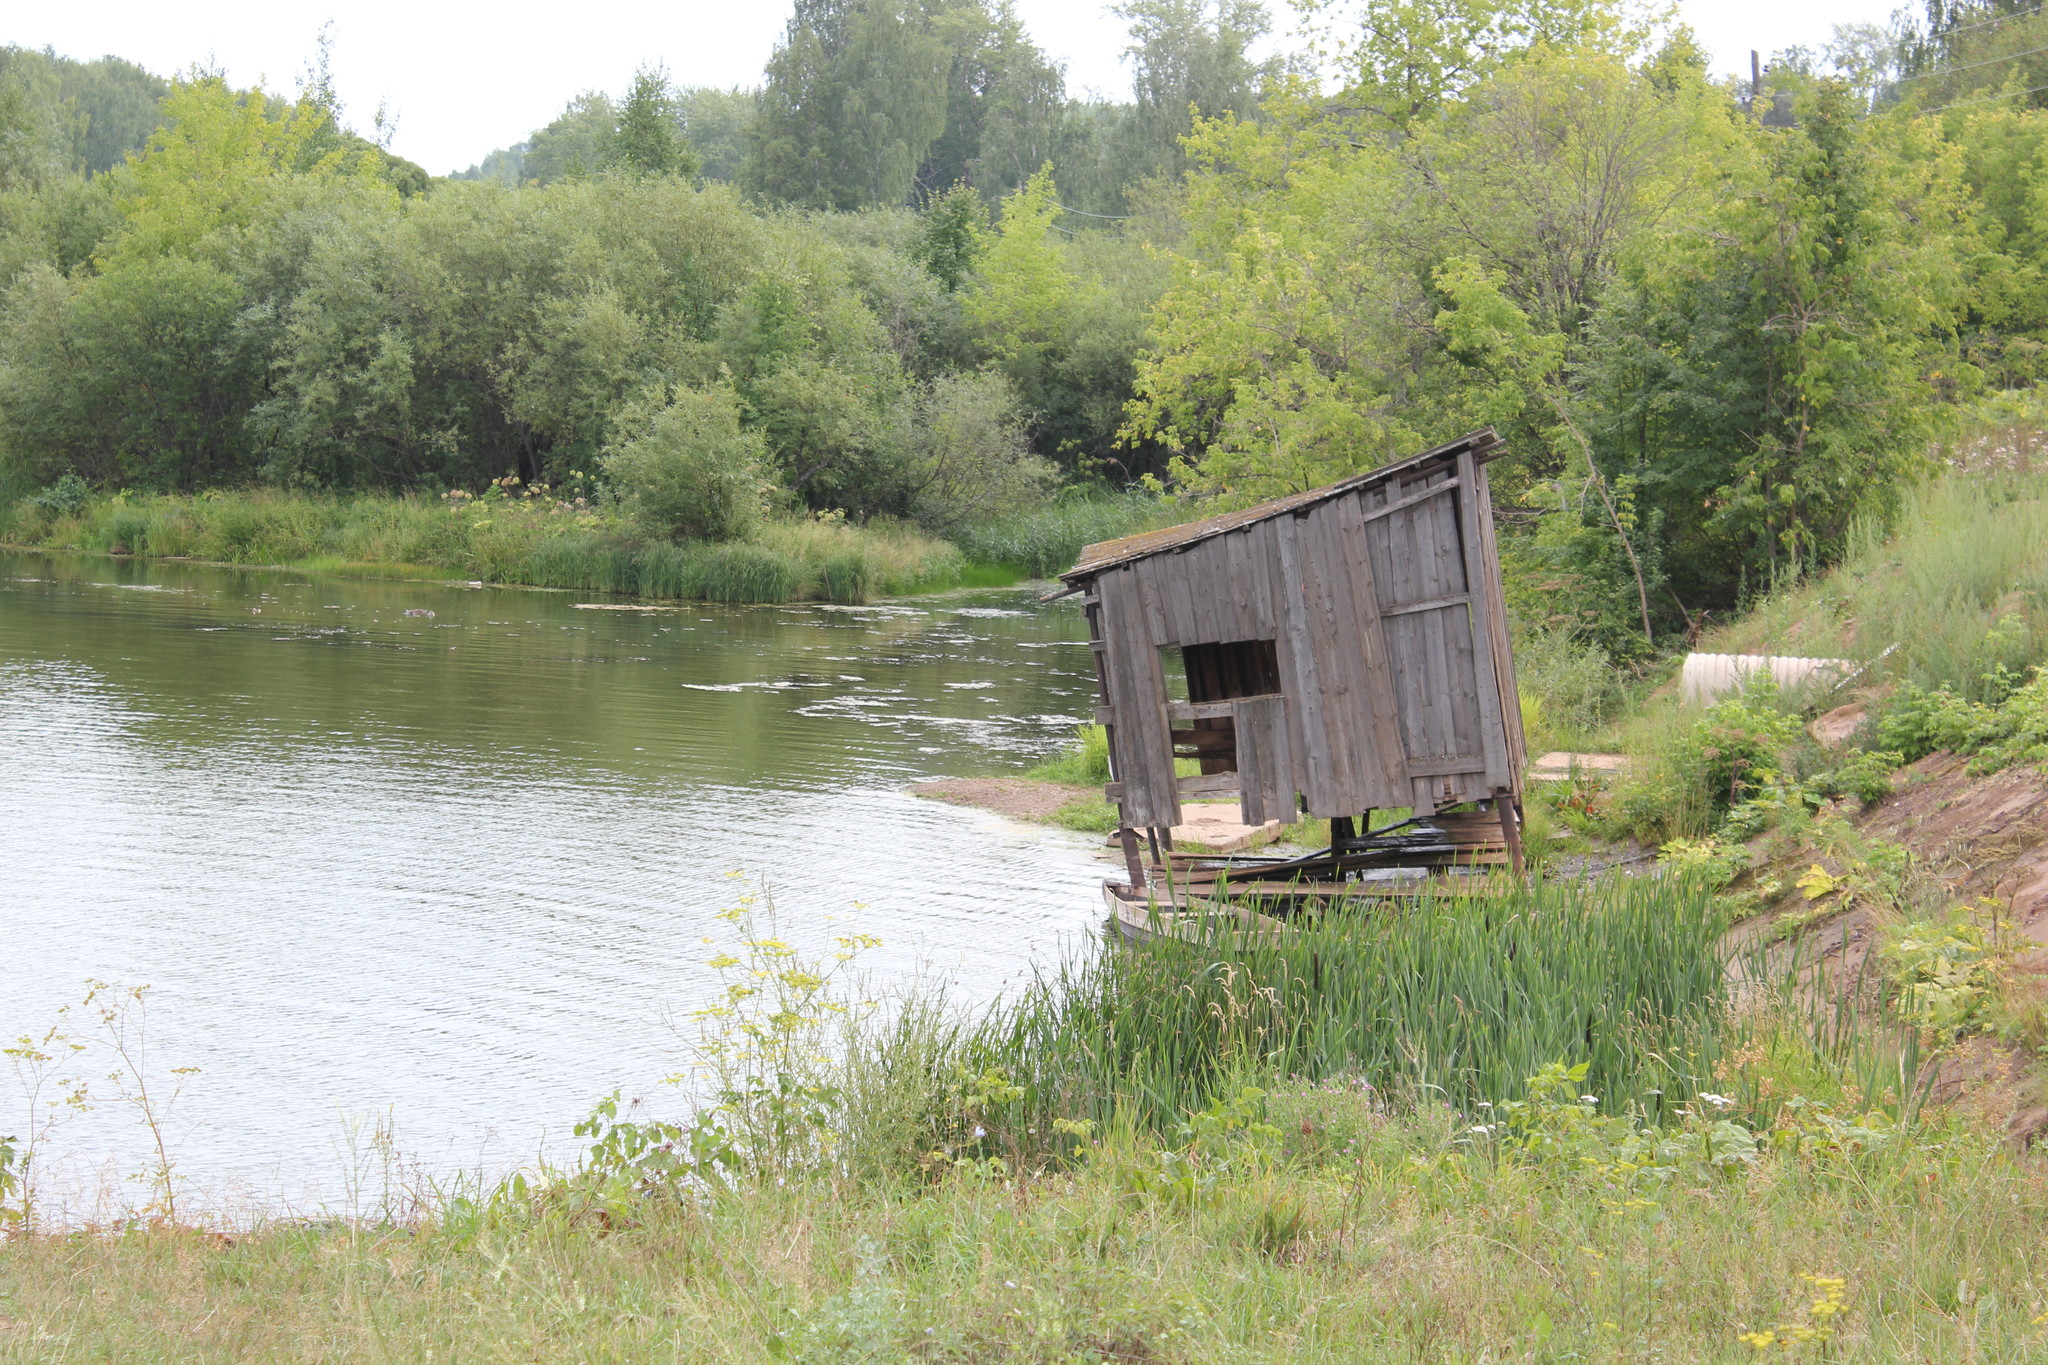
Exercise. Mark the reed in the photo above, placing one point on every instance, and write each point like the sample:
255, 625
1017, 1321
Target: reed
1460, 998
1043, 541
539, 542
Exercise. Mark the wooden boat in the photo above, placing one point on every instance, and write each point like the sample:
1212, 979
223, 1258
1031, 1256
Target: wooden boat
1270, 894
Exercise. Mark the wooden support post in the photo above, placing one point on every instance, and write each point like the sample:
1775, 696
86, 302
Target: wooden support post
1132, 861
1341, 832
1152, 834
1511, 832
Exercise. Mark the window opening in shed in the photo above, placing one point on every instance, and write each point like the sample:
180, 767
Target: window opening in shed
1222, 671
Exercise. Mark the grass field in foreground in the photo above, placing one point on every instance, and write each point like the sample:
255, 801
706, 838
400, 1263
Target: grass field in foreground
1361, 1237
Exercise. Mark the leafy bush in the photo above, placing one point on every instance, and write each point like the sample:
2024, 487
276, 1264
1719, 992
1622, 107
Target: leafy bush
1866, 775
969, 453
1947, 973
1716, 862
65, 498
684, 467
1919, 722
1699, 770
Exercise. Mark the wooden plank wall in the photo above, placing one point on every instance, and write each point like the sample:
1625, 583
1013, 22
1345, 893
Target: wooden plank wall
1396, 676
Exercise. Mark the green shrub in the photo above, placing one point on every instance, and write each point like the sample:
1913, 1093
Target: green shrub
65, 498
684, 466
1694, 771
1918, 722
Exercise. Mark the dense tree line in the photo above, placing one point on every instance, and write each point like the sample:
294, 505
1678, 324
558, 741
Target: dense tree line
909, 276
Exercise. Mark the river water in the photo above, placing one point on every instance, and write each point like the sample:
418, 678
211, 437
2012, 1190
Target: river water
448, 856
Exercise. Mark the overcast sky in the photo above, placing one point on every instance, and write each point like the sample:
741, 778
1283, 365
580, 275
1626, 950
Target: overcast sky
464, 78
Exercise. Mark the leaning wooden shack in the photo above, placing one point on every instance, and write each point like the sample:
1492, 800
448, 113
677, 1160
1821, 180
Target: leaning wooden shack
1345, 651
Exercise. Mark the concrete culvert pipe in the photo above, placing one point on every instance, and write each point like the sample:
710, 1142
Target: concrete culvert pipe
1710, 676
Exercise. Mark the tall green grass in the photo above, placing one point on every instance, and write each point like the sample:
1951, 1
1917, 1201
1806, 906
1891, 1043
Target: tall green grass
1045, 540
1457, 998
1957, 582
537, 543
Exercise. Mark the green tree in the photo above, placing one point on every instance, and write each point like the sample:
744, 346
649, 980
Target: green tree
576, 143
1773, 381
1005, 101
953, 235
1189, 60
649, 140
684, 466
853, 99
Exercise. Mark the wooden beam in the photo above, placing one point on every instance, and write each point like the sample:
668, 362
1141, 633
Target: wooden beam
1398, 504
1511, 830
1456, 599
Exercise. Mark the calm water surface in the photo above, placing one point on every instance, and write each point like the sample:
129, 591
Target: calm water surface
451, 853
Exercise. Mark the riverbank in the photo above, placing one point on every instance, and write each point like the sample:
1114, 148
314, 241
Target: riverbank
539, 537
530, 538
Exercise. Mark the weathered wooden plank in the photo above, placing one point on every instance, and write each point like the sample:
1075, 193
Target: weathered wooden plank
1264, 760
1143, 751
1204, 743
1492, 735
1296, 642
1267, 598
1445, 764
1388, 572
1495, 607
1402, 503
1238, 595
1321, 571
1386, 762
1456, 599
1449, 701
1177, 592
1150, 575
1414, 683
1200, 710
1203, 582
1208, 784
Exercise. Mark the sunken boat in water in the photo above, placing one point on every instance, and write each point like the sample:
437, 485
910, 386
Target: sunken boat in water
1345, 651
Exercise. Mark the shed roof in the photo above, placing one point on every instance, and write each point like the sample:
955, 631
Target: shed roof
1485, 444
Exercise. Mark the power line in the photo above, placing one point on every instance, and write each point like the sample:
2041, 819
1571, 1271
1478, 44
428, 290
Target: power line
1985, 99
1988, 61
1986, 23
1113, 217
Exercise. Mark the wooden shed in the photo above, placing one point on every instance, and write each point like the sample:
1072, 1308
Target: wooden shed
1344, 650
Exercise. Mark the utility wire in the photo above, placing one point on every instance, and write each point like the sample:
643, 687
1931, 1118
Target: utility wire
1988, 61
1985, 99
1986, 23
1113, 217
